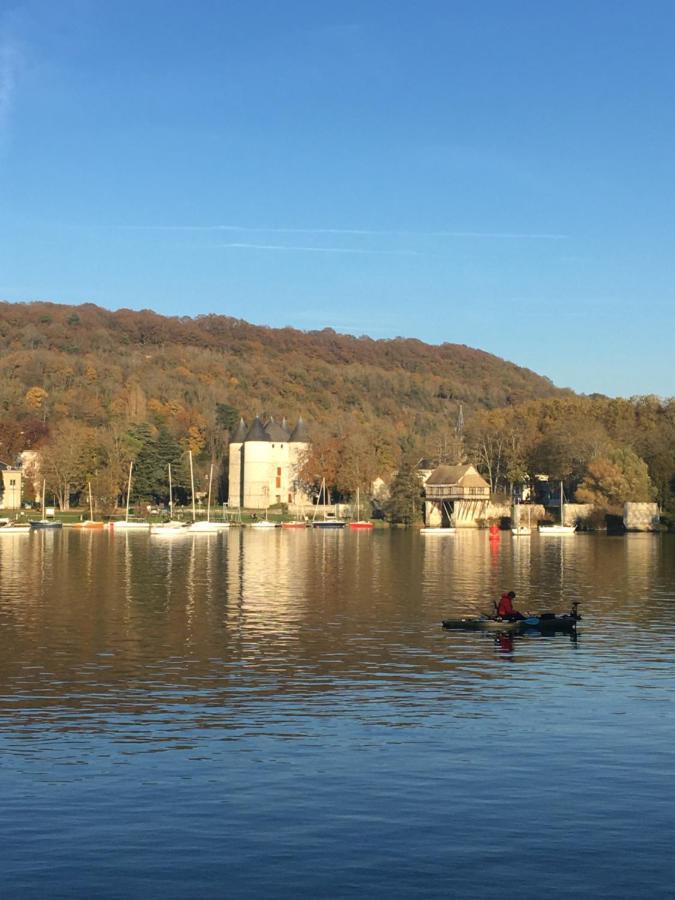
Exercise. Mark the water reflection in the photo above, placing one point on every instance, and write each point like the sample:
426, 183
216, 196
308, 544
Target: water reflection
294, 696
293, 603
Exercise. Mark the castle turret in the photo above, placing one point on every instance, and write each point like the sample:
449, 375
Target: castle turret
257, 463
235, 468
279, 484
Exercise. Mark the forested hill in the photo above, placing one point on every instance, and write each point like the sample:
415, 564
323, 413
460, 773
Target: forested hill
95, 364
92, 389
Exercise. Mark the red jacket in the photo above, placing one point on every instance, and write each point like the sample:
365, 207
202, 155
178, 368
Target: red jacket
505, 607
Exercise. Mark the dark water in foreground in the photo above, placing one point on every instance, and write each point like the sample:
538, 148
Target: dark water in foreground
280, 715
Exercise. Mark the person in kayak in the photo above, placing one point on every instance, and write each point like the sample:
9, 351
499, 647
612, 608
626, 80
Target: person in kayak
505, 608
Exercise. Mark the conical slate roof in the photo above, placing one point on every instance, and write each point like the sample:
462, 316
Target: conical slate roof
276, 432
239, 434
257, 432
299, 435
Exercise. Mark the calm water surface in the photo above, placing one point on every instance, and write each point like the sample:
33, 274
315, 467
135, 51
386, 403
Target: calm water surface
280, 715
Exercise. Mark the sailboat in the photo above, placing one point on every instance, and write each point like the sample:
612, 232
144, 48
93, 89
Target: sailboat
518, 530
127, 523
90, 522
44, 522
8, 526
360, 523
207, 525
173, 526
327, 521
561, 528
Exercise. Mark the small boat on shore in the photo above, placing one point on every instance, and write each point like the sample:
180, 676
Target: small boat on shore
437, 531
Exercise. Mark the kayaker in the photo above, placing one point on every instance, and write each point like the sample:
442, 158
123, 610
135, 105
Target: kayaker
505, 609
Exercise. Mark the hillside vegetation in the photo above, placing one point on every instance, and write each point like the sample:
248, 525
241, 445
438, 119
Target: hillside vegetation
95, 364
94, 389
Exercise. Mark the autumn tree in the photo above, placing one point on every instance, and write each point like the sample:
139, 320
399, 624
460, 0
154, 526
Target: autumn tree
69, 460
618, 477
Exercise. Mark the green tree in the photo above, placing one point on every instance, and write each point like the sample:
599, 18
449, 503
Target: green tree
156, 453
405, 502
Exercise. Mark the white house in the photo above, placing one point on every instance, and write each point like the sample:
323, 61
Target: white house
10, 488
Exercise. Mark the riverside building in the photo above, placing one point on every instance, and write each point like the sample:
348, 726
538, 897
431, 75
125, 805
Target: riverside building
265, 462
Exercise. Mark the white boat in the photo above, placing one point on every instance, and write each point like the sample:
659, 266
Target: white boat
560, 529
10, 527
127, 522
170, 528
328, 521
263, 523
206, 526
441, 529
45, 523
173, 527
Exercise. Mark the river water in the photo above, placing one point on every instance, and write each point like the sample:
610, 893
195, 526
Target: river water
281, 715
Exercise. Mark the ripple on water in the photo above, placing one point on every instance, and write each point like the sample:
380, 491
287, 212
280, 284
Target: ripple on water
286, 717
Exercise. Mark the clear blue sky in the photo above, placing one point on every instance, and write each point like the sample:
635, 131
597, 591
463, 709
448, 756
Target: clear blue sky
498, 174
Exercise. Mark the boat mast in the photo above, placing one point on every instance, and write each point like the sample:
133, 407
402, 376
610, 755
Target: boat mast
131, 465
318, 500
170, 495
192, 487
91, 503
44, 491
208, 502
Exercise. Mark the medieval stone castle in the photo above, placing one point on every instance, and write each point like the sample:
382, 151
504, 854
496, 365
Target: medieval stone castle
265, 463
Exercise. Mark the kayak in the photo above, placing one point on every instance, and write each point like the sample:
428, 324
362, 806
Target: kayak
545, 622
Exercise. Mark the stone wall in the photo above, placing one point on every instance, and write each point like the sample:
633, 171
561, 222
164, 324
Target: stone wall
477, 513
641, 516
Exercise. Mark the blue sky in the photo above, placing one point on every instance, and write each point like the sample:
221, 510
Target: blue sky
497, 174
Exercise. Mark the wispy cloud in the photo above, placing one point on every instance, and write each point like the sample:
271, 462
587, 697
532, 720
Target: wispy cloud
294, 248
359, 232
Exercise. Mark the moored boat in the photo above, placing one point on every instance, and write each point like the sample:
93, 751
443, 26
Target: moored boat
560, 529
127, 523
9, 527
44, 523
437, 531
